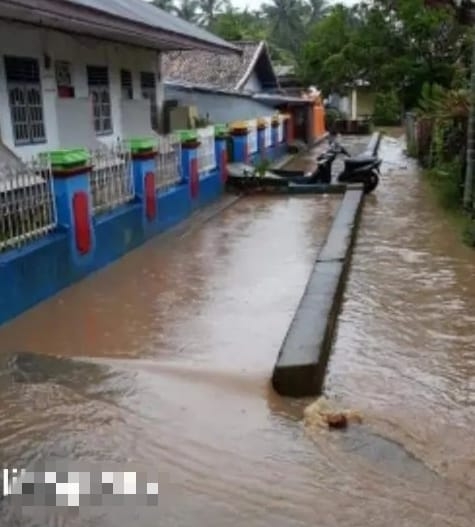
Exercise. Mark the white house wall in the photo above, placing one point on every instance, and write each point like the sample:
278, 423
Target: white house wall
253, 84
27, 41
221, 108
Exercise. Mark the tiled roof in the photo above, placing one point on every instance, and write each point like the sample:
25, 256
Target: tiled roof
228, 71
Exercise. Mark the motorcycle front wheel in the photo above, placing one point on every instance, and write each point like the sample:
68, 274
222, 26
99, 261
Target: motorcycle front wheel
371, 183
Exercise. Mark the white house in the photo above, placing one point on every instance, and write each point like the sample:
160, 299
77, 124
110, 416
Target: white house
80, 73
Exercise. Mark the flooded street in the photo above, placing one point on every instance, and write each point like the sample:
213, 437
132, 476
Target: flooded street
167, 357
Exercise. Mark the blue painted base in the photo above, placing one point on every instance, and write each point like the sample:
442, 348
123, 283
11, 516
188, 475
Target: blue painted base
44, 267
210, 188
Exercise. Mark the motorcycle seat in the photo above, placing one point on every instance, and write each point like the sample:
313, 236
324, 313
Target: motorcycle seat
361, 160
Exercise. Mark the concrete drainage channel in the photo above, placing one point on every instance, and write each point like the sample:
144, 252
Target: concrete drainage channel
302, 361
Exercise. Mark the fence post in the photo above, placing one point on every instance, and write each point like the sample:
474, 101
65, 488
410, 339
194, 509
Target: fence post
144, 154
189, 162
74, 208
221, 149
239, 140
261, 139
275, 138
289, 130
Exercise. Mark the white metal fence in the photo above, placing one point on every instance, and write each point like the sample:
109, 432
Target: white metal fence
268, 132
27, 204
168, 162
280, 131
252, 144
206, 151
112, 181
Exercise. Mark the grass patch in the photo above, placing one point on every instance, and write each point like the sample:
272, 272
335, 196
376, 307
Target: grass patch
447, 186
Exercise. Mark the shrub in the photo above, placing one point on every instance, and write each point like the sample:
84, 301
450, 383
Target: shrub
387, 109
331, 117
469, 232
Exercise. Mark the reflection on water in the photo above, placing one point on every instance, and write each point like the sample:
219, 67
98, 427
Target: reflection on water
177, 343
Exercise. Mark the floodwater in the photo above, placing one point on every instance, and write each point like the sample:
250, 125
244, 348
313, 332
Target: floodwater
176, 344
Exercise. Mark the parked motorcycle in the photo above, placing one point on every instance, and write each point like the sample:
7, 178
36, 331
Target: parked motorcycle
363, 169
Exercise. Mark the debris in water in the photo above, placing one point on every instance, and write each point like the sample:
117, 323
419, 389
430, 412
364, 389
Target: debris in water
321, 413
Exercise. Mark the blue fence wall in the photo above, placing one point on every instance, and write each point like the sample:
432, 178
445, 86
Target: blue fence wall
43, 267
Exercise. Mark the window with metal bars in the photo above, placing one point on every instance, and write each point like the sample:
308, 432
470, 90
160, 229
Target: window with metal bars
126, 84
25, 100
149, 91
99, 90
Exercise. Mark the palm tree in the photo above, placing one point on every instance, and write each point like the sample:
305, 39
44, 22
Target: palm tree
166, 5
211, 8
286, 22
317, 10
188, 10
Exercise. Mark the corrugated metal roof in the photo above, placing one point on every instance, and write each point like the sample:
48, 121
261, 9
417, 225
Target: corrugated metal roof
147, 14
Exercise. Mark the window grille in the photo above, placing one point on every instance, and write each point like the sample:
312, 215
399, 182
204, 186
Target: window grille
149, 91
25, 100
99, 90
206, 151
126, 84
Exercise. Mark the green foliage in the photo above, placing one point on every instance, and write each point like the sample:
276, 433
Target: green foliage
468, 231
387, 109
284, 24
447, 182
262, 166
201, 122
396, 46
236, 25
331, 116
326, 57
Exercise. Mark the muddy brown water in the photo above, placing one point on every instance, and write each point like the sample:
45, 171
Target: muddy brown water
176, 344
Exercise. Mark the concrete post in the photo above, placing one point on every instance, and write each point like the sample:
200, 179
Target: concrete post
239, 140
221, 149
144, 170
74, 207
189, 163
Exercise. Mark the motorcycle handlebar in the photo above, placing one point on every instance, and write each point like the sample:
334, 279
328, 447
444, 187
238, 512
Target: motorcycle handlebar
338, 149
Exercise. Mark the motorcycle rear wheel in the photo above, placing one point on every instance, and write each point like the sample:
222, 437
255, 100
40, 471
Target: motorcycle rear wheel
371, 183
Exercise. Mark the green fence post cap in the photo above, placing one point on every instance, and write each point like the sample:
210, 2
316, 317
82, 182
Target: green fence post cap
67, 158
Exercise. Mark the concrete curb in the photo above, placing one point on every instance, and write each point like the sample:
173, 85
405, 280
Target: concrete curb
290, 157
196, 220
303, 357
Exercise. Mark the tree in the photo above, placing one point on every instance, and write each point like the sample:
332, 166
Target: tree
392, 45
239, 25
286, 19
327, 57
210, 9
166, 5
188, 10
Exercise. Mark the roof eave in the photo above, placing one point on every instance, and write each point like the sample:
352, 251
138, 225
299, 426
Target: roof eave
66, 16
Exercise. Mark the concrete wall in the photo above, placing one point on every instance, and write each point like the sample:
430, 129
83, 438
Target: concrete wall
24, 41
221, 108
365, 102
